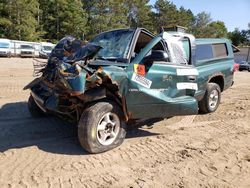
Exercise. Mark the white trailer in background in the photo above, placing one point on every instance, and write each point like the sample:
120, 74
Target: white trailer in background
45, 50
20, 48
25, 48
5, 47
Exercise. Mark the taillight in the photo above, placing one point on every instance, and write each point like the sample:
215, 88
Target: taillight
236, 67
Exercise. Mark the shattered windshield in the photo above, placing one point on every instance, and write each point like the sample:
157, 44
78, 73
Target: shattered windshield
115, 44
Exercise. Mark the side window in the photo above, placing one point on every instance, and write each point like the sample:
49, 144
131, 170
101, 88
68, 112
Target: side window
220, 50
142, 41
211, 51
204, 51
158, 46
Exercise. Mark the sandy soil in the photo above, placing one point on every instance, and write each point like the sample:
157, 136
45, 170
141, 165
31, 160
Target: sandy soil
192, 151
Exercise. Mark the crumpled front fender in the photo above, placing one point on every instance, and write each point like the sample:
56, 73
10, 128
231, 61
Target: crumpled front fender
118, 77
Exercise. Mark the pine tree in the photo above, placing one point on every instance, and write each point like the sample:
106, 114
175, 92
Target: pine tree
216, 29
5, 22
166, 13
105, 15
63, 17
140, 14
185, 18
200, 28
19, 21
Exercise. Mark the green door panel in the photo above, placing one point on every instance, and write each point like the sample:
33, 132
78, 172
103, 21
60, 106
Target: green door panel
163, 98
165, 90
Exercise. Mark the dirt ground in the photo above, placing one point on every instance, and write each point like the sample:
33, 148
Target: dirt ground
192, 151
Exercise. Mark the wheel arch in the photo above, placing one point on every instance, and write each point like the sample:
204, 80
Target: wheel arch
218, 79
105, 94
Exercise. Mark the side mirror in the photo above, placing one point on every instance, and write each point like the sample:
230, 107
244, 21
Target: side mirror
156, 55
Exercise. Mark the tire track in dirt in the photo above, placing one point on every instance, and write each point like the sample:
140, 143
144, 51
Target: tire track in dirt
91, 164
151, 148
148, 146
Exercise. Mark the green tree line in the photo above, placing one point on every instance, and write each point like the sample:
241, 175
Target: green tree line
50, 20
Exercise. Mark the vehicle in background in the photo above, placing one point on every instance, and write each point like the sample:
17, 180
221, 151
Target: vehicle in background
245, 65
45, 50
18, 48
5, 48
27, 50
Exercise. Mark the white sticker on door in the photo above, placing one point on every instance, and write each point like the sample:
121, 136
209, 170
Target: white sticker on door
186, 85
187, 72
141, 80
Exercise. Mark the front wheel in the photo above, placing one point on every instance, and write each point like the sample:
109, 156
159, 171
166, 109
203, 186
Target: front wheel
211, 100
101, 127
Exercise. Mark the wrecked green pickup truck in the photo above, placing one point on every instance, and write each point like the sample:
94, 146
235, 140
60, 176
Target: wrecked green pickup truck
126, 75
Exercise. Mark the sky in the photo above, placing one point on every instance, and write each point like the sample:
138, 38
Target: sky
234, 13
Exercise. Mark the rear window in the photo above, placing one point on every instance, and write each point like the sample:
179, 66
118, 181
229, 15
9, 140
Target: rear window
211, 51
220, 50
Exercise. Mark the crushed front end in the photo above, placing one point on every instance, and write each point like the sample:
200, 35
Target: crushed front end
65, 85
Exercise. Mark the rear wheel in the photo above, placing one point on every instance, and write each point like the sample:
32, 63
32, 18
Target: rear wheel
211, 100
34, 109
101, 127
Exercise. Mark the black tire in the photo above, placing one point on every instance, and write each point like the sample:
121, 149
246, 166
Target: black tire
88, 133
205, 105
34, 109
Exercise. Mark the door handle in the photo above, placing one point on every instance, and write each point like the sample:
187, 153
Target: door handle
192, 78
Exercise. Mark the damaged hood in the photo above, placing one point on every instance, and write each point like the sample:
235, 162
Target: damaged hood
70, 50
86, 52
68, 68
